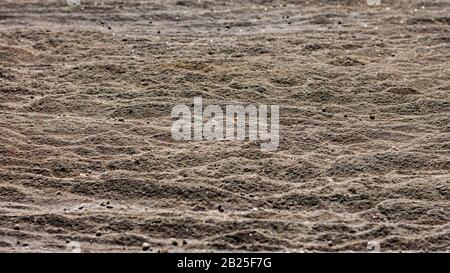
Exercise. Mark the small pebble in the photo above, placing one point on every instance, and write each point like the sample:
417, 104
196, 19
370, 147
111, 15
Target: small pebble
220, 208
260, 89
145, 246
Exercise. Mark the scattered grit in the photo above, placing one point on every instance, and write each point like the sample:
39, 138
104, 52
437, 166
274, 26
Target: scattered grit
87, 162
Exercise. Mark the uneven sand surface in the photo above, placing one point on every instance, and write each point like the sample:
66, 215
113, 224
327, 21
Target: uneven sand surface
86, 152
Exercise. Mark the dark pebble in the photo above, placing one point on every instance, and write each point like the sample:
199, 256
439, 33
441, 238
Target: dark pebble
260, 89
61, 168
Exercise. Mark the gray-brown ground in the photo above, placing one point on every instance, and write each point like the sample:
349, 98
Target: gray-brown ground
86, 153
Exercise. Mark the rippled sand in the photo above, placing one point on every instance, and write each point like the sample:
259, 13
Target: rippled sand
86, 153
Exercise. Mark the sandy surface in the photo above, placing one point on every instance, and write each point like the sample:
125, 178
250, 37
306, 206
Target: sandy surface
86, 153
